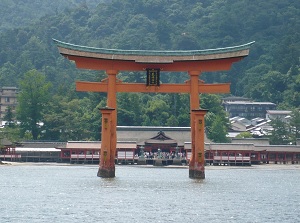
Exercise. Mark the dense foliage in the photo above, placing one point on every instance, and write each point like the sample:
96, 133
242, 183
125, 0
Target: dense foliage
270, 73
32, 102
285, 133
18, 13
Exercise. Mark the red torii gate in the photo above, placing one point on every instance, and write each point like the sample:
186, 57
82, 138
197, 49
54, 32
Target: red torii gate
112, 61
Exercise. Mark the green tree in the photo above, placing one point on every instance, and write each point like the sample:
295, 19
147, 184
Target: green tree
181, 109
74, 119
250, 84
8, 75
172, 121
280, 134
218, 131
9, 117
54, 121
156, 111
295, 125
129, 109
32, 102
243, 135
275, 85
216, 120
292, 95
10, 131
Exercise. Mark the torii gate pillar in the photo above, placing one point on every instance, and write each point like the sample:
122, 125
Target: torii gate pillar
107, 153
197, 161
109, 129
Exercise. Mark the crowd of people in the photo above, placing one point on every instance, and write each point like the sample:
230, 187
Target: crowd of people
161, 155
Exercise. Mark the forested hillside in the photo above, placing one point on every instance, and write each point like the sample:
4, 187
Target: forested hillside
20, 13
270, 73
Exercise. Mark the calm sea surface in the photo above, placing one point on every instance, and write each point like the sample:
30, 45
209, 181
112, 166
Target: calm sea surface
64, 193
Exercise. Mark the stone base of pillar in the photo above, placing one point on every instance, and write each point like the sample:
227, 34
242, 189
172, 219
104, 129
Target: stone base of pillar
158, 162
196, 174
177, 162
141, 162
106, 172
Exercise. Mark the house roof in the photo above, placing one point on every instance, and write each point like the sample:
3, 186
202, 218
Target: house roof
235, 98
278, 112
142, 133
248, 103
96, 145
5, 142
280, 148
33, 149
160, 138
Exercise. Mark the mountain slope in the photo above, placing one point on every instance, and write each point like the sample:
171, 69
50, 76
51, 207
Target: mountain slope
166, 25
18, 13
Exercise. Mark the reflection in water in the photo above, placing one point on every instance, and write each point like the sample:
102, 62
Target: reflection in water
45, 193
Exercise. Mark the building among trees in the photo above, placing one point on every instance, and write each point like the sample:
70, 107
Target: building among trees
283, 115
244, 107
8, 98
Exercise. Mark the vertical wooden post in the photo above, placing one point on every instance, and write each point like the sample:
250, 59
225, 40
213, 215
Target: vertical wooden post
194, 105
112, 103
107, 155
197, 170
109, 129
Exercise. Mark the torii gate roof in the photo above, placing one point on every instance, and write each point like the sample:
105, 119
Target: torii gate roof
137, 60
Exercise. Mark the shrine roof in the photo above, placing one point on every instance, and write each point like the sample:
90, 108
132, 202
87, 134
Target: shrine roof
160, 138
152, 52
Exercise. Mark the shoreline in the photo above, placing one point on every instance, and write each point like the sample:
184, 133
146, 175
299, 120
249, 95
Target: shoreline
208, 167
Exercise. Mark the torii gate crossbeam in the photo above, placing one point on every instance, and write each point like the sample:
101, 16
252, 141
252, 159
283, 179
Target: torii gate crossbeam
163, 88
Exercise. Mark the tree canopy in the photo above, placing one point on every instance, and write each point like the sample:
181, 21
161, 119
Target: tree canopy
269, 73
32, 102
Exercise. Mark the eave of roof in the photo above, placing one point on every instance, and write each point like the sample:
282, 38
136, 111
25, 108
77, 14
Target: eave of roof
153, 141
153, 52
152, 56
248, 103
152, 128
96, 145
279, 112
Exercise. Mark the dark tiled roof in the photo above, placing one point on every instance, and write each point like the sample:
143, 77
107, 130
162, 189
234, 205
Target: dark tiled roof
161, 138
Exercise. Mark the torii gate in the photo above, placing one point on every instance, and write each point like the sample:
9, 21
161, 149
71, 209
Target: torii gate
153, 62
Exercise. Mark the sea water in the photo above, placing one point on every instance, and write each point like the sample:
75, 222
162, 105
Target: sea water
73, 193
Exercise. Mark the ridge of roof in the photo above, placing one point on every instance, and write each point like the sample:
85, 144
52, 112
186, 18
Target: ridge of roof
152, 52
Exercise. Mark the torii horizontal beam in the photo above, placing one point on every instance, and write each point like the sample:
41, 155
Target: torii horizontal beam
163, 88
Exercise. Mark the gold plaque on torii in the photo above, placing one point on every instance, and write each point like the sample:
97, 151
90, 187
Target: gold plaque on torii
153, 77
